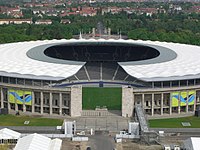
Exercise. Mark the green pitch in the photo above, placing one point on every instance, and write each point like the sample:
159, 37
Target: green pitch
95, 96
175, 122
11, 120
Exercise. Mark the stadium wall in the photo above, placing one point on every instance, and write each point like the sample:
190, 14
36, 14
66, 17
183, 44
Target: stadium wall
68, 101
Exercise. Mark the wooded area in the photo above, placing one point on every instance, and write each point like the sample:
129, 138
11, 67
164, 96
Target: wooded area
181, 28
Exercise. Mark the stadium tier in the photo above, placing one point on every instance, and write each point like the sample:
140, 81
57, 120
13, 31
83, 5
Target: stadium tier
68, 77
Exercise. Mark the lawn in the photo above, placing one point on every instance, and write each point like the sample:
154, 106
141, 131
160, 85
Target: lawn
11, 120
95, 96
175, 122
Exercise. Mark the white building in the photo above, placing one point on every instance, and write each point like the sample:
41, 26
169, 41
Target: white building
192, 143
9, 136
38, 142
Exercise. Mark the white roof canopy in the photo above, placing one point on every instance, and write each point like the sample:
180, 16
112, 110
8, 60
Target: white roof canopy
9, 134
14, 61
38, 142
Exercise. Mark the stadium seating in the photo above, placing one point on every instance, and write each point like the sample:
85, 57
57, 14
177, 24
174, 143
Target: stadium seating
93, 69
108, 70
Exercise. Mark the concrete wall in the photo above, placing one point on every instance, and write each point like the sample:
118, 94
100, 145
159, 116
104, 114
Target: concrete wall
76, 101
127, 102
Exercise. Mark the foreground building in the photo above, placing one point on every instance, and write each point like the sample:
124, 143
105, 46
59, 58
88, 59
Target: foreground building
39, 142
47, 77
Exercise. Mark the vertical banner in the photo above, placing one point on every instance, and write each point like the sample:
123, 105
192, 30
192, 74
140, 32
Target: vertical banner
183, 97
175, 99
191, 97
20, 97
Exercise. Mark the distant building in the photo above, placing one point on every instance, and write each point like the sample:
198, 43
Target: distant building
43, 22
15, 21
65, 21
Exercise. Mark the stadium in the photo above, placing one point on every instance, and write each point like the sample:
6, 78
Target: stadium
70, 77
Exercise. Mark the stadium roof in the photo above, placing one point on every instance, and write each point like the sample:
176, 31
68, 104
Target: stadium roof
26, 60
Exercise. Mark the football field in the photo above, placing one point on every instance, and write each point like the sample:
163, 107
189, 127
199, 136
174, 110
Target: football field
93, 97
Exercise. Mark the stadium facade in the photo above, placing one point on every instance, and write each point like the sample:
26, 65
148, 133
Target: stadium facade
46, 77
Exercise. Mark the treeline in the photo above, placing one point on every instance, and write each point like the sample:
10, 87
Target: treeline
179, 28
25, 32
182, 36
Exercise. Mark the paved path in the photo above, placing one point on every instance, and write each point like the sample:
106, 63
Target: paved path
101, 142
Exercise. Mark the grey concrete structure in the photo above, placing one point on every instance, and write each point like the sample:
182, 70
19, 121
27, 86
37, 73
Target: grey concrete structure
76, 103
127, 102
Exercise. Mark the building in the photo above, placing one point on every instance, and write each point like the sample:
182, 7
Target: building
46, 22
8, 136
15, 21
47, 77
37, 141
192, 143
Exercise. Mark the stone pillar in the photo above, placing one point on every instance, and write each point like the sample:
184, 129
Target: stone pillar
76, 101
152, 84
50, 103
16, 105
33, 102
195, 100
2, 98
127, 102
152, 104
60, 103
41, 102
8, 102
187, 102
24, 106
170, 105
143, 101
179, 103
161, 105
161, 84
170, 84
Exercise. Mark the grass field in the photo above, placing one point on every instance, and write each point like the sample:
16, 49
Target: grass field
109, 97
175, 122
11, 120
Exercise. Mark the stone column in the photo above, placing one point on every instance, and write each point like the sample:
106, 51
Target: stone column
50, 103
179, 103
16, 105
127, 102
170, 105
161, 105
187, 102
24, 106
195, 100
41, 102
143, 101
152, 104
161, 84
76, 101
8, 102
152, 84
2, 98
33, 102
170, 84
60, 103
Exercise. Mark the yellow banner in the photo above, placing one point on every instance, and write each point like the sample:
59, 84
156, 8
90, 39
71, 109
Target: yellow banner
20, 97
182, 98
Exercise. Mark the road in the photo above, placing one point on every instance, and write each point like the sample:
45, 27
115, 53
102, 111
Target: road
101, 142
